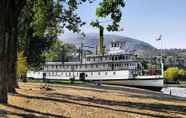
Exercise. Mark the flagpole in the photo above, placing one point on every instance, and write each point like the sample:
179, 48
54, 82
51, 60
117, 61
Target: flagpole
162, 66
161, 55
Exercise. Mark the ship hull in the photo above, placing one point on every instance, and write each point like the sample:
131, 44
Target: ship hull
152, 84
109, 77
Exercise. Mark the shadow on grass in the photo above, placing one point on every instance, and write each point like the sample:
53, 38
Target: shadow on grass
148, 106
80, 87
144, 93
97, 103
31, 113
4, 113
159, 97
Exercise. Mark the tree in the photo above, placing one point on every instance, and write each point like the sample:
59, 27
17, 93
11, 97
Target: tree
10, 11
107, 8
59, 51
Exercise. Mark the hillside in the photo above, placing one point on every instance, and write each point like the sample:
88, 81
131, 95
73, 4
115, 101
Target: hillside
92, 38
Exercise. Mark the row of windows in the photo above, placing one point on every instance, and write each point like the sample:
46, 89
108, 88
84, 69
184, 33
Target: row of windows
91, 66
76, 73
116, 44
109, 58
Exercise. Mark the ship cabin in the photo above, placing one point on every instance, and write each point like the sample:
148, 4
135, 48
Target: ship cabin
117, 60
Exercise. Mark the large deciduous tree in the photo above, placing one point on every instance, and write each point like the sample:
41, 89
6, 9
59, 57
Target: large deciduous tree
9, 11
37, 28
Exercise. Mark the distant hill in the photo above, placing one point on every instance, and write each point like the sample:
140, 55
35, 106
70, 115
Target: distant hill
92, 38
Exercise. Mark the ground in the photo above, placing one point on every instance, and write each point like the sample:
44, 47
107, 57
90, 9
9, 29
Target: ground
90, 101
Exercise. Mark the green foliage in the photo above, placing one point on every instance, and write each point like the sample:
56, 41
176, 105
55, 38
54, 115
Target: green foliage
40, 23
59, 51
22, 67
182, 74
174, 74
111, 8
37, 28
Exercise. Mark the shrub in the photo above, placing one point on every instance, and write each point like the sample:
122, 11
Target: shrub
171, 74
21, 68
182, 74
174, 74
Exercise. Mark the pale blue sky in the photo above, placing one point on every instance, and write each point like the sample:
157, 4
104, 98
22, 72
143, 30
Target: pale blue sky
146, 19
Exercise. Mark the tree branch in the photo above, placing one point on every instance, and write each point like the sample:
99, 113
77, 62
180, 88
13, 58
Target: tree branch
19, 5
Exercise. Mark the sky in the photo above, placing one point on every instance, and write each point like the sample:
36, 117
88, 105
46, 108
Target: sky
146, 19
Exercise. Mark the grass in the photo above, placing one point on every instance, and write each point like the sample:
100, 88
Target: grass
79, 101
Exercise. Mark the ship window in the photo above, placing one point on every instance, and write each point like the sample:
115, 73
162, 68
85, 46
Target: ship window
91, 73
106, 73
115, 45
114, 73
69, 74
112, 58
99, 73
126, 57
96, 66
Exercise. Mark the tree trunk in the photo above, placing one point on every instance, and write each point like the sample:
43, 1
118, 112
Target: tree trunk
3, 84
3, 53
12, 80
9, 11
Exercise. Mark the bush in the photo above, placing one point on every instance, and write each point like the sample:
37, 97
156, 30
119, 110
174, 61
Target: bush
21, 68
171, 74
182, 74
174, 74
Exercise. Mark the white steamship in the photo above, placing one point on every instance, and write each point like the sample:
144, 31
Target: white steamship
118, 65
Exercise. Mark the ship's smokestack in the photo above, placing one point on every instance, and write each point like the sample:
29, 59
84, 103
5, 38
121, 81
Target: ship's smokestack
100, 47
